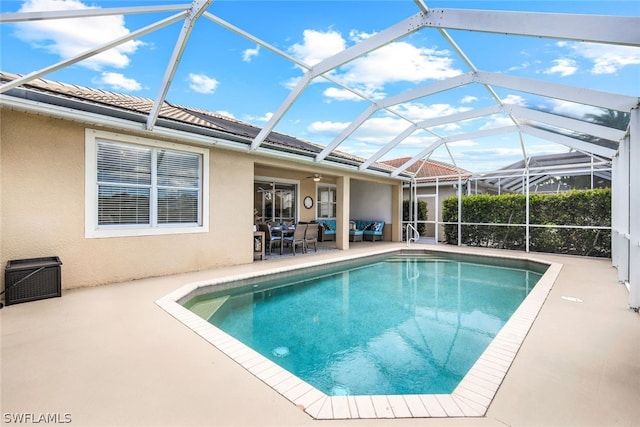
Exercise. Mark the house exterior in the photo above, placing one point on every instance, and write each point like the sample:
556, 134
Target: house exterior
84, 180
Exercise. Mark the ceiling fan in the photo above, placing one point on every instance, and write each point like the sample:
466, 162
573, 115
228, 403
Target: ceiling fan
316, 177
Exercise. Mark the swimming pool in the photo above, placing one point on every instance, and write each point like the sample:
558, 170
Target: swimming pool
348, 394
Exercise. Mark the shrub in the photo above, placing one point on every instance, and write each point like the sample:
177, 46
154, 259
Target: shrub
580, 207
422, 213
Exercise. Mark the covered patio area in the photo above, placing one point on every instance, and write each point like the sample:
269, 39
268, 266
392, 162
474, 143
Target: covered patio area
108, 355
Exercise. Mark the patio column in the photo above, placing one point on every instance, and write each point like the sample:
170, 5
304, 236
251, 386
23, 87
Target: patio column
633, 149
396, 212
343, 194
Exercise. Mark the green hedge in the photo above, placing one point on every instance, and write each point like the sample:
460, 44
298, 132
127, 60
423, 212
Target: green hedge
422, 214
587, 207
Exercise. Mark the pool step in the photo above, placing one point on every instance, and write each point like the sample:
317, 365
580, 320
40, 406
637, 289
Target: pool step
207, 308
403, 258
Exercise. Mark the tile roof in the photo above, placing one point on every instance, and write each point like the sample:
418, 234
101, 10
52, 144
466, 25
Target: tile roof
182, 114
427, 170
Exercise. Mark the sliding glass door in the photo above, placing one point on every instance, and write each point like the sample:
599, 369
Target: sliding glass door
275, 201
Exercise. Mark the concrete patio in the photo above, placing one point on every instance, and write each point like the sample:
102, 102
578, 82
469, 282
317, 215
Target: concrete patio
109, 356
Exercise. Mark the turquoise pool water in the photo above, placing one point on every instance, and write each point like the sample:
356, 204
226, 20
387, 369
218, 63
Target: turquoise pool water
399, 325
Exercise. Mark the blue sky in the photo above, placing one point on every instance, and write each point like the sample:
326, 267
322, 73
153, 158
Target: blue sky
223, 72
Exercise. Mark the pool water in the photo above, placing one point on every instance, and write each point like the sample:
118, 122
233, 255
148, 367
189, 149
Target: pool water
400, 325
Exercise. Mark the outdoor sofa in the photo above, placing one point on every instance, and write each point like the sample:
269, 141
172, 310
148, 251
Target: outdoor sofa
327, 229
360, 229
368, 229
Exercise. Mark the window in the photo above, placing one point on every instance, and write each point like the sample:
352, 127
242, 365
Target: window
326, 201
275, 200
141, 187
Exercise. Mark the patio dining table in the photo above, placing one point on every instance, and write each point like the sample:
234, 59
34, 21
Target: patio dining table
282, 233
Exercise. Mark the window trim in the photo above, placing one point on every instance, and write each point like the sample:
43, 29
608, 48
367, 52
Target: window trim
91, 228
319, 204
277, 180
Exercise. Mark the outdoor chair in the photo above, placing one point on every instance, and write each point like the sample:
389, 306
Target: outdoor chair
297, 239
270, 239
311, 236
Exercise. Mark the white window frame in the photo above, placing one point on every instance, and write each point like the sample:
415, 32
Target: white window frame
293, 182
93, 230
320, 203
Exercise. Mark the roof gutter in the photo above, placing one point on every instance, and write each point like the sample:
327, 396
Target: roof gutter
102, 116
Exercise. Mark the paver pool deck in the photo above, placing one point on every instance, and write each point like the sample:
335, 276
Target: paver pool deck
110, 356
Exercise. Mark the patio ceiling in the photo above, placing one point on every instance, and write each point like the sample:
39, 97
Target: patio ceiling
579, 135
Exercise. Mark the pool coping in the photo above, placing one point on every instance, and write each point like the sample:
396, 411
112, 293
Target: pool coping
471, 398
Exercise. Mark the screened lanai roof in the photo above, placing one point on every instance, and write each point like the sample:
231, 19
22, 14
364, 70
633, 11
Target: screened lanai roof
542, 168
372, 80
428, 171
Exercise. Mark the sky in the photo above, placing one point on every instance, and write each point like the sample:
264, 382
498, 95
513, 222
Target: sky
222, 71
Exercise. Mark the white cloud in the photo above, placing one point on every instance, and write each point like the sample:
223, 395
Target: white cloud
376, 131
254, 119
418, 111
606, 59
340, 94
399, 61
265, 118
468, 99
291, 83
68, 38
463, 143
522, 66
248, 54
395, 62
497, 121
357, 36
380, 130
318, 46
202, 83
327, 127
118, 81
514, 100
563, 67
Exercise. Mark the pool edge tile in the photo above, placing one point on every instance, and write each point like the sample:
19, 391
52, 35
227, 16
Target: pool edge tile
399, 406
365, 407
449, 405
340, 407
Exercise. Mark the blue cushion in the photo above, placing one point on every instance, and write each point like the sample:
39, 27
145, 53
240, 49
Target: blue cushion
329, 225
369, 226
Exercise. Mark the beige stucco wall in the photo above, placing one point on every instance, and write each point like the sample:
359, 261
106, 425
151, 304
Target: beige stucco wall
42, 196
42, 190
